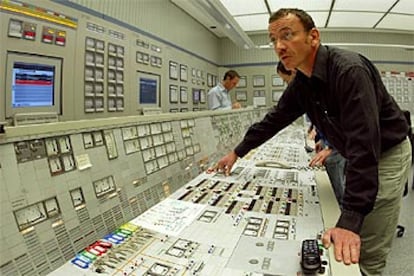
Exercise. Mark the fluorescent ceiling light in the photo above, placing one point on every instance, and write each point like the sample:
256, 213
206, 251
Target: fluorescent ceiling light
354, 19
404, 6
398, 22
242, 7
319, 5
254, 22
363, 5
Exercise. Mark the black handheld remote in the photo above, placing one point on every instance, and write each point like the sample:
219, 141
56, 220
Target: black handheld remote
310, 258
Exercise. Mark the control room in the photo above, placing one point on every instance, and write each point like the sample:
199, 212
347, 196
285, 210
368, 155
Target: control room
206, 137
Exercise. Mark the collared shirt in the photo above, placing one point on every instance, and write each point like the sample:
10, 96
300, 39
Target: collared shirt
218, 98
345, 99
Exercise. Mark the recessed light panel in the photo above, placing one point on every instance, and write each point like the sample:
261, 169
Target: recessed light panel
243, 7
354, 19
397, 22
256, 22
364, 5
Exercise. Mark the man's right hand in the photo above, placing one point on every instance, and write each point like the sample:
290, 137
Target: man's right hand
224, 164
236, 105
320, 158
347, 244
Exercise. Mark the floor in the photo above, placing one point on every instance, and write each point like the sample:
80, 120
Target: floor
401, 259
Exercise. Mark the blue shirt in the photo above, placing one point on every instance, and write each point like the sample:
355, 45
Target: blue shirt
218, 98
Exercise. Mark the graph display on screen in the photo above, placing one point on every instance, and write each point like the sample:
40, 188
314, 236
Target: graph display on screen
32, 85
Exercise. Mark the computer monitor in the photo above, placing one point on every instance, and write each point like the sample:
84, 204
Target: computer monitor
148, 89
33, 84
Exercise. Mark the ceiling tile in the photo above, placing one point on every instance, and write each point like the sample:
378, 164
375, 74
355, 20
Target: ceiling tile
306, 5
363, 5
256, 22
404, 6
242, 7
398, 22
354, 19
259, 22
252, 15
319, 18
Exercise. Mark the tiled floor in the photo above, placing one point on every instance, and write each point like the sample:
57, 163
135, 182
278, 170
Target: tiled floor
401, 258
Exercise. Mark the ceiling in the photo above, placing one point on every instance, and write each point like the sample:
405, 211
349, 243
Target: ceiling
253, 15
236, 19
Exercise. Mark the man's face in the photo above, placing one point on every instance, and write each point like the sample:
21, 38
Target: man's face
291, 42
229, 84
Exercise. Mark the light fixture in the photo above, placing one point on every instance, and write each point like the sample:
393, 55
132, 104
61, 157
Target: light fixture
213, 13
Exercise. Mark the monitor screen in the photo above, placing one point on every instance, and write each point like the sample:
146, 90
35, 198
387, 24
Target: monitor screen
196, 96
32, 85
148, 94
147, 91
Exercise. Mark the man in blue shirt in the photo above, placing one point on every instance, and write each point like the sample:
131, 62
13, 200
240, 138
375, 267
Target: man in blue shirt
334, 163
219, 96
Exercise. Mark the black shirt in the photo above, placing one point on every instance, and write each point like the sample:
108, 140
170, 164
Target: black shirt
346, 100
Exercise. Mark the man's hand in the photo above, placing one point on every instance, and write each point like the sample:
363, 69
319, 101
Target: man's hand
320, 158
236, 105
311, 133
346, 243
318, 146
224, 164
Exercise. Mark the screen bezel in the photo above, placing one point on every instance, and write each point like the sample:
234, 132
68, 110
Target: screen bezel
13, 58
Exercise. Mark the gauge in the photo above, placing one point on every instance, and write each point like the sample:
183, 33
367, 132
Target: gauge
30, 215
52, 207
77, 197
104, 186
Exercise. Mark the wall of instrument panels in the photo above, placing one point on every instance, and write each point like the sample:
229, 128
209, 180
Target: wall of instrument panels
66, 185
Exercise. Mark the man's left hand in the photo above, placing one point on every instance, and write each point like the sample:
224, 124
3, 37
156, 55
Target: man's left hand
346, 244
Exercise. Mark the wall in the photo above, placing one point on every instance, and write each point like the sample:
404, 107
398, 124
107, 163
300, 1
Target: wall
197, 50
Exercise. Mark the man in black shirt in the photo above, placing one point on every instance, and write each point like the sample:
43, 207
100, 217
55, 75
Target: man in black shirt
343, 95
